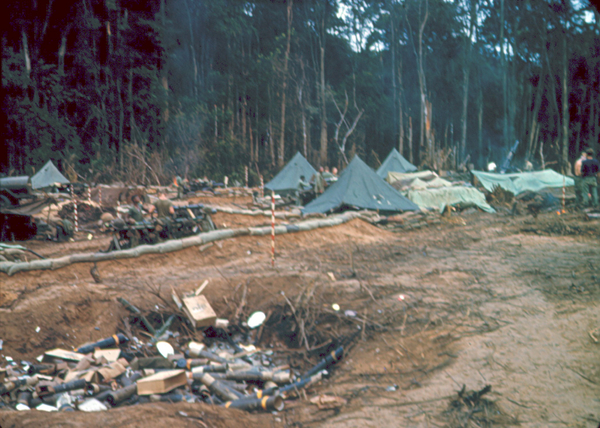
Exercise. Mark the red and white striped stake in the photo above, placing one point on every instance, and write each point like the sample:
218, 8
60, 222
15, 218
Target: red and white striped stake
89, 192
246, 173
273, 229
75, 209
262, 187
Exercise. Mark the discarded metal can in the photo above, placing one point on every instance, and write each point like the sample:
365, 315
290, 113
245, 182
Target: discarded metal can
269, 403
328, 361
114, 340
120, 395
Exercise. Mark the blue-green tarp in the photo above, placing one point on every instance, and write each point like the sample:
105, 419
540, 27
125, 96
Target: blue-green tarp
523, 181
360, 187
286, 182
395, 162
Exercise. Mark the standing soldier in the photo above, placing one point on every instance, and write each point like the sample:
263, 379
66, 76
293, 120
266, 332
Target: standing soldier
319, 182
590, 171
164, 210
578, 180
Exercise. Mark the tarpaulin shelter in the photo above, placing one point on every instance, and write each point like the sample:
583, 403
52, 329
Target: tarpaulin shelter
455, 196
523, 181
360, 187
395, 162
286, 181
416, 180
47, 176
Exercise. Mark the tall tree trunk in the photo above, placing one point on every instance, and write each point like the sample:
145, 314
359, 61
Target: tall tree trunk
323, 139
421, 73
400, 112
410, 140
280, 154
393, 68
480, 127
504, 80
466, 72
566, 168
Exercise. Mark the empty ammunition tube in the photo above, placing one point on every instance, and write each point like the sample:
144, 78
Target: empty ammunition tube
328, 361
211, 356
293, 387
201, 390
120, 395
34, 402
173, 397
209, 369
69, 386
114, 340
24, 397
126, 381
103, 396
9, 386
47, 369
194, 348
270, 385
254, 375
218, 388
269, 403
184, 363
94, 388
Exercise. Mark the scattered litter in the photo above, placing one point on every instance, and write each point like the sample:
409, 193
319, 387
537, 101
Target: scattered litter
349, 313
37, 329
1, 344
256, 319
331, 276
392, 388
165, 349
324, 402
335, 307
92, 405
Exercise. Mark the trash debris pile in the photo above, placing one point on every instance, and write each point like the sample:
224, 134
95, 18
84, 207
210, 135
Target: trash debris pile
225, 368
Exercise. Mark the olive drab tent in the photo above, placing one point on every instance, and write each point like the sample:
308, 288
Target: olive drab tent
286, 182
360, 187
395, 162
47, 176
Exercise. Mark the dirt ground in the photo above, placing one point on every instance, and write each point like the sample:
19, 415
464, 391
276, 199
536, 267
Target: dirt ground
480, 299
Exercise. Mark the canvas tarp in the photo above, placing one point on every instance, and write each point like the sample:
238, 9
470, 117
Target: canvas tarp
286, 181
416, 180
439, 198
359, 186
395, 162
523, 181
47, 176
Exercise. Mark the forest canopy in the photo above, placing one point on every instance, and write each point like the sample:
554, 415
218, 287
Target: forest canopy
143, 90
